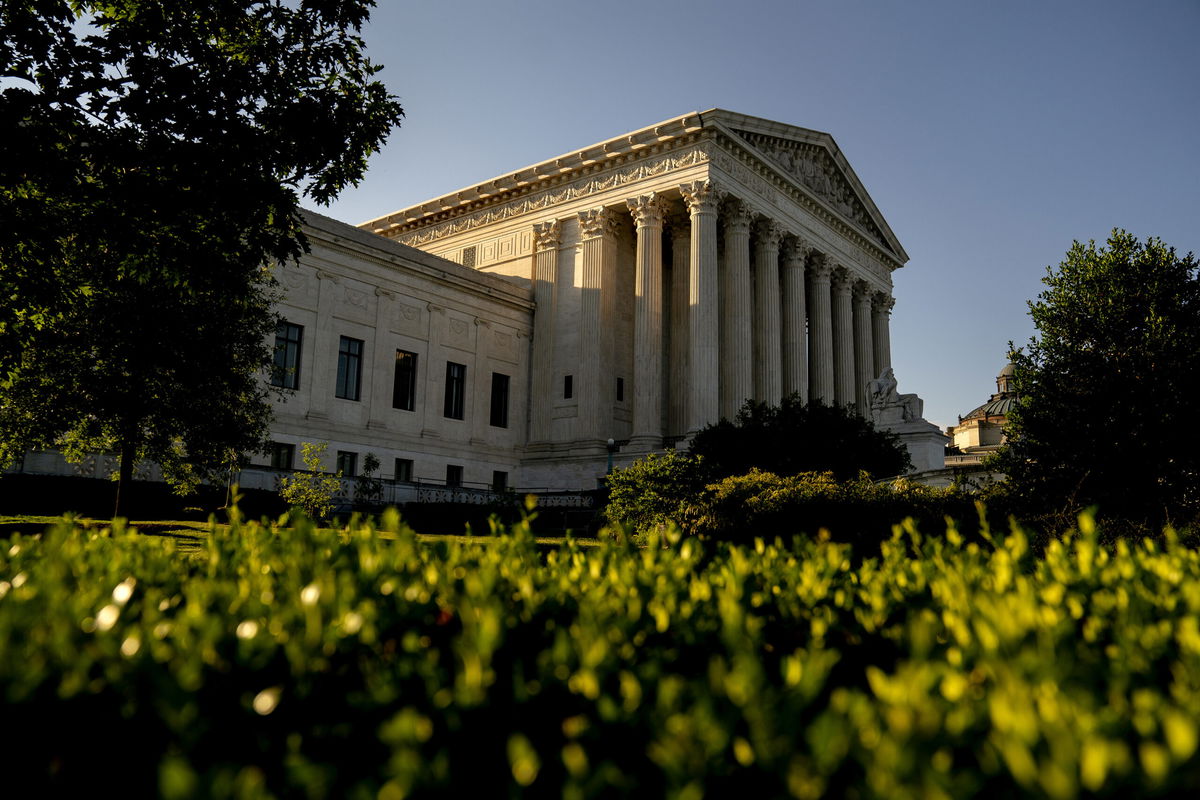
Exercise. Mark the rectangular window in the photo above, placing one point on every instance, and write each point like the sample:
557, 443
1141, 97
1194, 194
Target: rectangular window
568, 387
349, 374
285, 372
499, 400
404, 470
282, 455
620, 390
456, 389
499, 481
404, 384
454, 475
347, 464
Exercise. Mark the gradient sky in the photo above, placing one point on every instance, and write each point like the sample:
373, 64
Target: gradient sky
989, 134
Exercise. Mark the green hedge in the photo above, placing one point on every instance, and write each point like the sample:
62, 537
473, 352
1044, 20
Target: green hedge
294, 662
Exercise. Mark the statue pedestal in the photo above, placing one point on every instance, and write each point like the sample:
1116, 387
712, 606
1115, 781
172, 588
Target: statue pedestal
925, 442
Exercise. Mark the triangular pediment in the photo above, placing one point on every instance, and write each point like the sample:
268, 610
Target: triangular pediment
813, 167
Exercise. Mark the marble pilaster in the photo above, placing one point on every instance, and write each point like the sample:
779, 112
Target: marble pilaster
702, 198
820, 332
864, 364
843, 339
795, 313
598, 230
737, 343
648, 213
768, 363
547, 238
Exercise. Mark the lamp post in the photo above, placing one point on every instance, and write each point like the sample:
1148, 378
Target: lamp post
612, 448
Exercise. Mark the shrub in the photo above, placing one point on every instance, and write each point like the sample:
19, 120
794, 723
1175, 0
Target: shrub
311, 491
654, 491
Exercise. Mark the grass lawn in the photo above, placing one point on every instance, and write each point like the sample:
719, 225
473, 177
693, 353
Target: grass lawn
190, 534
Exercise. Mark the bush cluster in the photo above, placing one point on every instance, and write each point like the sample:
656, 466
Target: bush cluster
365, 663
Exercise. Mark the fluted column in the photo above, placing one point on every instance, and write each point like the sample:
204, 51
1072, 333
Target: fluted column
737, 342
547, 237
820, 332
648, 212
681, 234
768, 364
701, 198
843, 340
795, 313
598, 229
864, 356
881, 307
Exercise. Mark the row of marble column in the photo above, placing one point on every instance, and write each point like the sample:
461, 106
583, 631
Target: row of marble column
735, 334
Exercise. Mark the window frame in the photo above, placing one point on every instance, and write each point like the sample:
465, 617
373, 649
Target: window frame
346, 458
349, 359
285, 366
454, 406
410, 467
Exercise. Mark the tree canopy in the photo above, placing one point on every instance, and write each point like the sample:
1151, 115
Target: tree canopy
155, 154
796, 437
1107, 409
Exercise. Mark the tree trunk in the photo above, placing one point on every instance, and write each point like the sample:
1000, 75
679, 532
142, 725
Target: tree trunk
125, 476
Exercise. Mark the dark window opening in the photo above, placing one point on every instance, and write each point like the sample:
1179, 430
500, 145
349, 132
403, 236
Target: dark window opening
347, 464
456, 389
282, 455
499, 400
499, 480
568, 387
454, 475
404, 382
620, 390
349, 373
404, 470
285, 371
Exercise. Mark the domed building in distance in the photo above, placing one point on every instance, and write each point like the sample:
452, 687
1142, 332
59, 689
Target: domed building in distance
981, 432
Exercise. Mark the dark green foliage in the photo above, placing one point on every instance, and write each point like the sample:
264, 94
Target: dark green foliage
1107, 414
154, 156
795, 437
655, 491
298, 662
762, 504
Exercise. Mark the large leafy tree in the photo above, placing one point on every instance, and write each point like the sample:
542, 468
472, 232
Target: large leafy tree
1108, 386
795, 437
154, 156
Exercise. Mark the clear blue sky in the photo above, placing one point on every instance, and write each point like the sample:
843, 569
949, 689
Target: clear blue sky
990, 134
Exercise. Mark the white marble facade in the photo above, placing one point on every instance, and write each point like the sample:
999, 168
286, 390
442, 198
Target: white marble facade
635, 290
676, 271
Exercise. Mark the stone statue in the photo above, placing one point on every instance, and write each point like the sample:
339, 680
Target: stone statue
888, 405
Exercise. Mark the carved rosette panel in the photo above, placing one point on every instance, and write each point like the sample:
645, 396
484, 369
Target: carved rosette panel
547, 235
648, 210
701, 196
598, 222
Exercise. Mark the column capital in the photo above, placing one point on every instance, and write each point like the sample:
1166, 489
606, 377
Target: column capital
862, 290
679, 226
821, 267
736, 215
547, 235
795, 249
648, 210
882, 302
841, 279
767, 232
701, 196
598, 222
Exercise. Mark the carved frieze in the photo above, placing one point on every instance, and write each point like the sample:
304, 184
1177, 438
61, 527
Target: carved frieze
580, 188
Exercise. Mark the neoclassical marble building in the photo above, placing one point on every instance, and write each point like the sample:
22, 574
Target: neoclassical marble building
634, 290
676, 271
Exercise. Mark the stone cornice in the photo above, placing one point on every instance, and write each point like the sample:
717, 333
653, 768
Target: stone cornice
591, 180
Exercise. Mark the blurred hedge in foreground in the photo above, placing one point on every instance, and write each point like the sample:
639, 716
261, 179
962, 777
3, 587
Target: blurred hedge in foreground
305, 663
